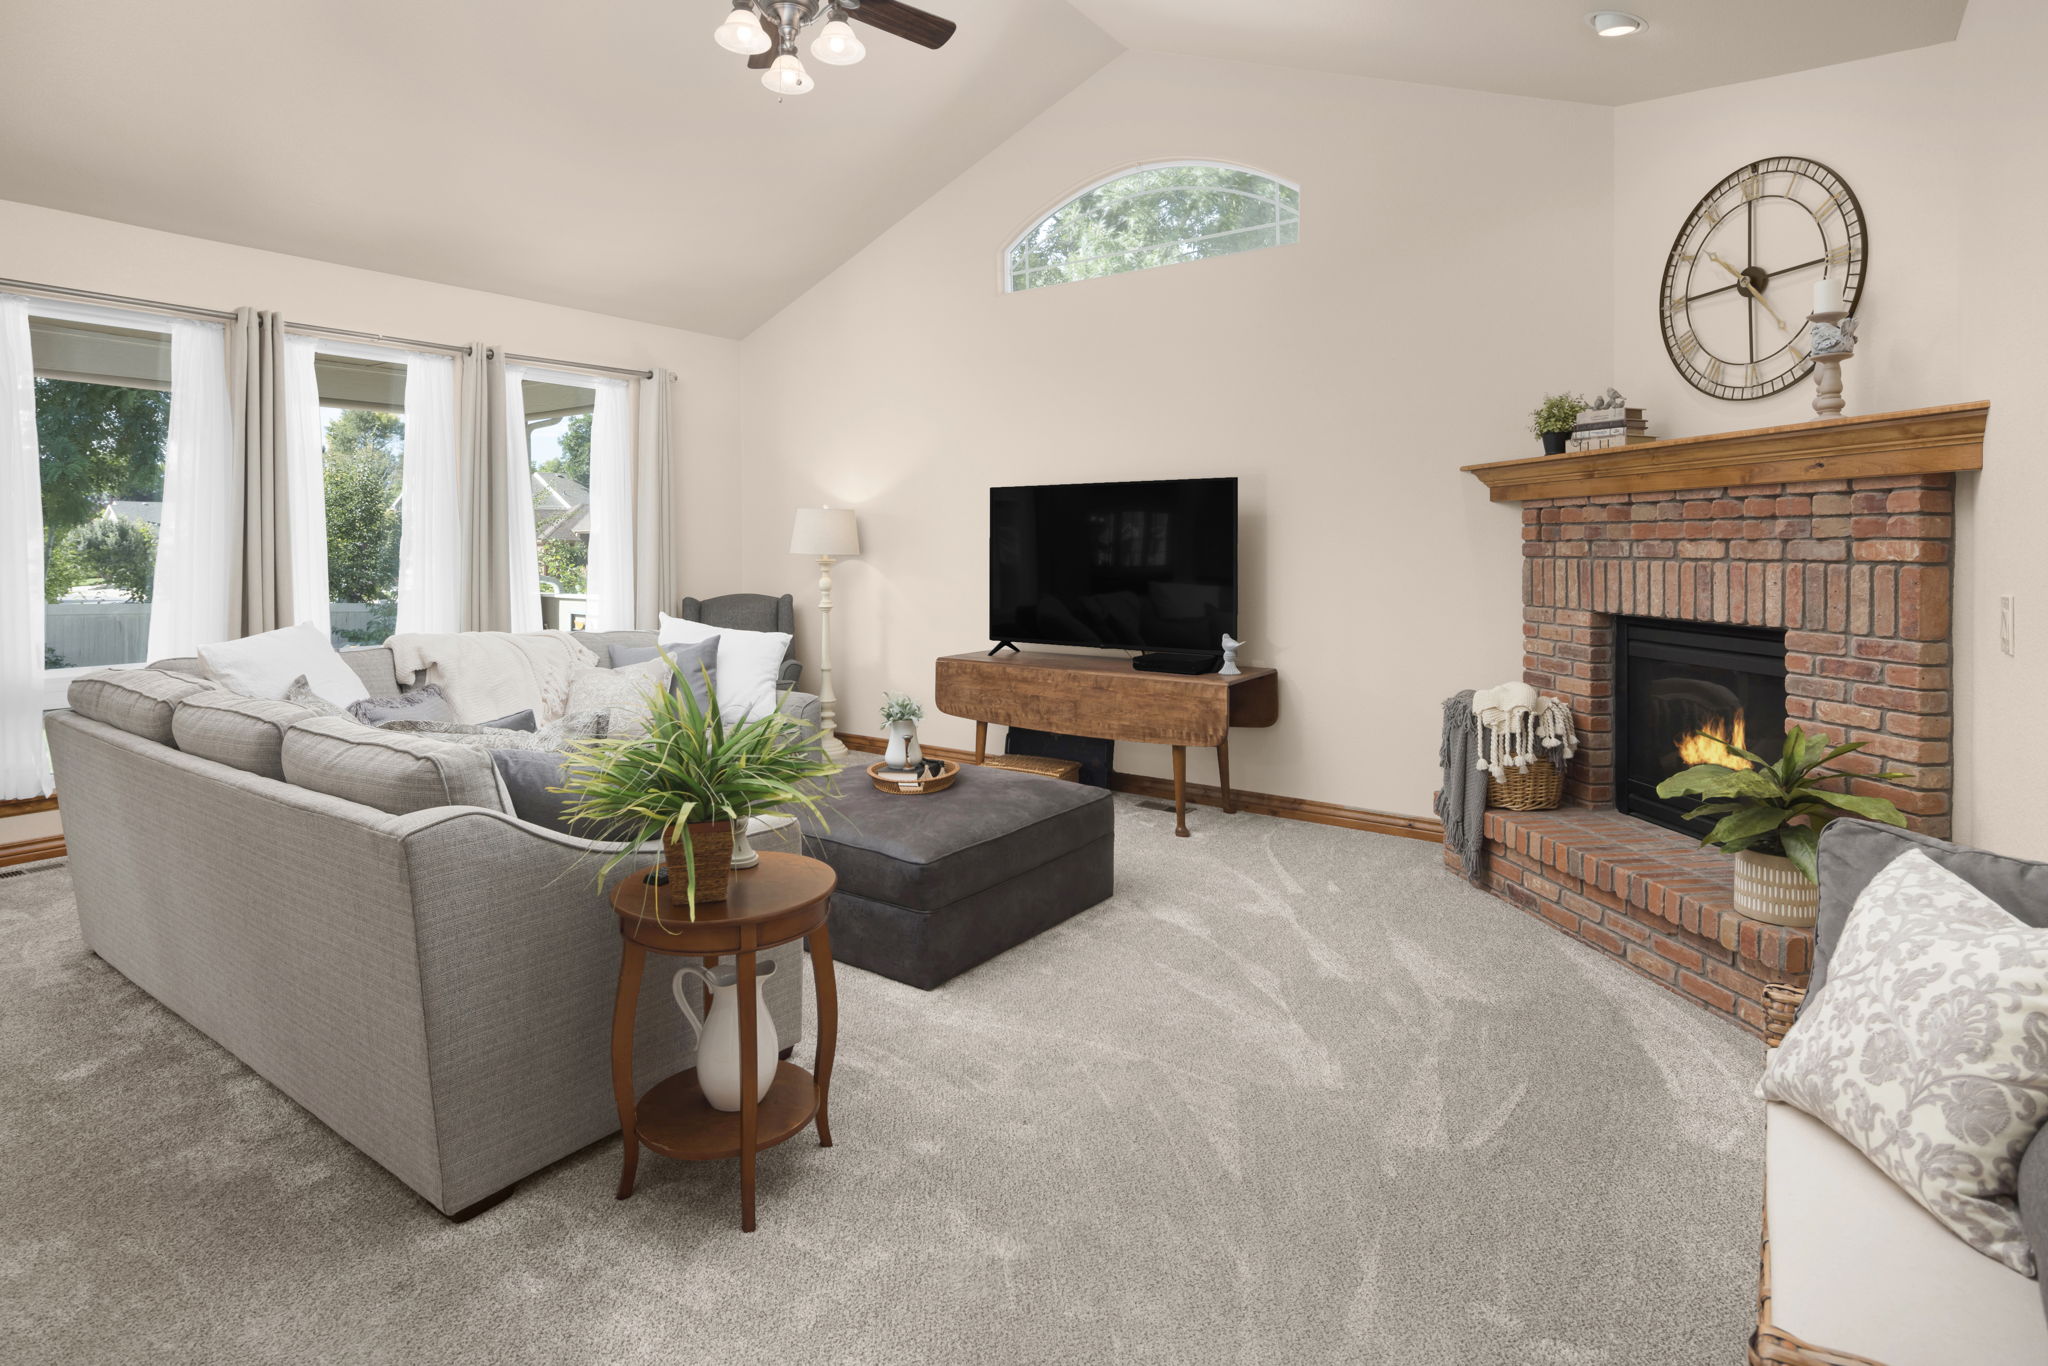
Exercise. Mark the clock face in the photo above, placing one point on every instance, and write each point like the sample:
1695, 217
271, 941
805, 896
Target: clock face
1739, 283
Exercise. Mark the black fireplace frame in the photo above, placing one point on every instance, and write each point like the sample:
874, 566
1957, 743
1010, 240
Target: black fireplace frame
1681, 642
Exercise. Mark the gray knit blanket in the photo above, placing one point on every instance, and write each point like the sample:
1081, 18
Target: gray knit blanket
1461, 805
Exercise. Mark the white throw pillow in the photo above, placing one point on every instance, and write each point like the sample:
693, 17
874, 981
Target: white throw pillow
749, 665
266, 665
1927, 1048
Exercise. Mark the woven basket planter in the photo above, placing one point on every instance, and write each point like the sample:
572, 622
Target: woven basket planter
1539, 787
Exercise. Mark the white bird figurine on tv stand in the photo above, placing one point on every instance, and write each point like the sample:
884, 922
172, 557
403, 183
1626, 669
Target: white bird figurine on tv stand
1230, 669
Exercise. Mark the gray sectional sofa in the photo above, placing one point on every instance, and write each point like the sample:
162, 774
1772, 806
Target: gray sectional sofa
361, 919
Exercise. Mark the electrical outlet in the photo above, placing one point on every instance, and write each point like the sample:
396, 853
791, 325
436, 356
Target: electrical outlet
2008, 640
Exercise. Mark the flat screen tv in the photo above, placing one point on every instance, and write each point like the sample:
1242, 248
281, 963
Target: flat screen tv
1150, 565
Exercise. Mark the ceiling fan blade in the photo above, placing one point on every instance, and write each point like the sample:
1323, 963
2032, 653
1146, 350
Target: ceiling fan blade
905, 21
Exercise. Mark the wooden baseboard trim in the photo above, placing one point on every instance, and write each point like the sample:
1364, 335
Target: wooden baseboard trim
27, 806
31, 851
1203, 794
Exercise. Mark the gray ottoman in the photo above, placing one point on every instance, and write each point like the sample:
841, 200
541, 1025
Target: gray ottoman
931, 886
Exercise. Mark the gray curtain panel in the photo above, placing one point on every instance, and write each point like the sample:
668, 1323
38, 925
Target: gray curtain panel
487, 484
260, 585
658, 517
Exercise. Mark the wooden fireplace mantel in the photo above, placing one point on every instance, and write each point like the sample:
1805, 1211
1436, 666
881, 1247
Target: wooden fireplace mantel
1917, 441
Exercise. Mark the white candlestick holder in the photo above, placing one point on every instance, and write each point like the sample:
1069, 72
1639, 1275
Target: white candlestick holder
1827, 366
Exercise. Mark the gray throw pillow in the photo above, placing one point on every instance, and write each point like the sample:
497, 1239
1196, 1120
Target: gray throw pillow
699, 663
529, 775
424, 703
518, 720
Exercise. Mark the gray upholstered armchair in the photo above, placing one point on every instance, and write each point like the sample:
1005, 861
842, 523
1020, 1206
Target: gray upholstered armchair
752, 612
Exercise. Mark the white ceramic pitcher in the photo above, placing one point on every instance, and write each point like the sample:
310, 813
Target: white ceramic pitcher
718, 1038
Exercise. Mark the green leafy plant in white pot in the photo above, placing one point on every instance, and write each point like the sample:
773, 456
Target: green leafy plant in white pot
1554, 418
1770, 819
900, 715
687, 779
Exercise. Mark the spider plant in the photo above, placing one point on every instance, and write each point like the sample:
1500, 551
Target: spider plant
689, 767
1777, 808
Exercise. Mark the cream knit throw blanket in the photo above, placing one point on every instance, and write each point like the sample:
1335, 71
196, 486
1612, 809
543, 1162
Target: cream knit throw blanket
1517, 727
488, 674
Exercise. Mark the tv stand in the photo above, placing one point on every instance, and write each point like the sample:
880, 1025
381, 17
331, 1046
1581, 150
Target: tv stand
1003, 645
1108, 699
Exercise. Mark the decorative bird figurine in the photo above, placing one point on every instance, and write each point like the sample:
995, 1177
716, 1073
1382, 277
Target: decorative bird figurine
1230, 644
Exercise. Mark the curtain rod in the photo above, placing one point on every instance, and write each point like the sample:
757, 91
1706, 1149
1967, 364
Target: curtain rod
124, 300
345, 334
579, 365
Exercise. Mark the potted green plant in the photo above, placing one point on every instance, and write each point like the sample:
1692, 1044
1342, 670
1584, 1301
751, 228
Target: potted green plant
1771, 816
1554, 419
687, 778
900, 715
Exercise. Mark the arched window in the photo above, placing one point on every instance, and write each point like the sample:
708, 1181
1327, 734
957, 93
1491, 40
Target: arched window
1157, 215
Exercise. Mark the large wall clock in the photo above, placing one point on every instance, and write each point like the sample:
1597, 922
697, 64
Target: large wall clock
1739, 283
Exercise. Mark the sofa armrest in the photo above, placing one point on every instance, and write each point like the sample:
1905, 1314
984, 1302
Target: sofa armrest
792, 673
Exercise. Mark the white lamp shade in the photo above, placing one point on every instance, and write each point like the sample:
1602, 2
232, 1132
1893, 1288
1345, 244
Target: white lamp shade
825, 531
787, 76
838, 45
742, 32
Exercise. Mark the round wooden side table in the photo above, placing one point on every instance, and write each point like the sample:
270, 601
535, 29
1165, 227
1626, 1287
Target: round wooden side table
785, 898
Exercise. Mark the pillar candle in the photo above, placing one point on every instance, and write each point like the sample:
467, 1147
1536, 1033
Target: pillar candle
1827, 295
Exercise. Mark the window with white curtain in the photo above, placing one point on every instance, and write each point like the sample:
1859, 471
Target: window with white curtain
578, 454
373, 488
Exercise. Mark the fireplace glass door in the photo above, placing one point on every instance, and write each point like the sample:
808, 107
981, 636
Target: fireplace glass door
1686, 693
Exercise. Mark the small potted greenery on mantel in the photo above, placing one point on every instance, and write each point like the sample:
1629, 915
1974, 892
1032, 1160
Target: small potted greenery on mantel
1771, 816
686, 779
1554, 419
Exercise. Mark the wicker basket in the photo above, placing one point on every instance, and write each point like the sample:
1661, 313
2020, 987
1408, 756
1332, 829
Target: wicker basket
1539, 787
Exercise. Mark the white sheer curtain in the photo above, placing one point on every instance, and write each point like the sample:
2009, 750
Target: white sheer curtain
611, 505
522, 555
305, 483
24, 762
430, 535
196, 544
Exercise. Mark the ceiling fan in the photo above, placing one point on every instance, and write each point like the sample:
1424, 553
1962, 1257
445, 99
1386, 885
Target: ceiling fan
765, 32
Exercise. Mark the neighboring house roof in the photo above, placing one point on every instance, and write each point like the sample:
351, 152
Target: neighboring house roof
561, 508
152, 513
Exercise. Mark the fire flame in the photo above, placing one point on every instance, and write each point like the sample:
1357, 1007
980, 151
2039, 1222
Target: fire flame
1710, 744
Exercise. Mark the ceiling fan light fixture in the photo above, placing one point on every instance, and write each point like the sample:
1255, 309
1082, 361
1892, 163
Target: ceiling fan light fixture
742, 32
838, 45
1613, 23
787, 76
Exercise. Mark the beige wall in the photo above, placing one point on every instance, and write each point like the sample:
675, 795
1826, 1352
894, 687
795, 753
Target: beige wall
1453, 264
1942, 147
48, 247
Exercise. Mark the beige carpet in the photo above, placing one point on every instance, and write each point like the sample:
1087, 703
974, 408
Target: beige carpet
1295, 1095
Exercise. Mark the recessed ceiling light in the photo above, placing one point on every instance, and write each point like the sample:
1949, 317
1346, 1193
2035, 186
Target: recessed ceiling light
1612, 23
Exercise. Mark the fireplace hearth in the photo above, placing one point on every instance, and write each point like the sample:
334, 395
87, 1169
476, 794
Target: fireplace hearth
1691, 693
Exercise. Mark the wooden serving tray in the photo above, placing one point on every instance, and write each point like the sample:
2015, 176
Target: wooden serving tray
897, 787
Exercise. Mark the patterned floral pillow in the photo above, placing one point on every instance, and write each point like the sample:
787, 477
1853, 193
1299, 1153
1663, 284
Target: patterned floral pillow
1927, 1048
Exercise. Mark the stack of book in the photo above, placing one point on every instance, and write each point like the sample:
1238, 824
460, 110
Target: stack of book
1599, 428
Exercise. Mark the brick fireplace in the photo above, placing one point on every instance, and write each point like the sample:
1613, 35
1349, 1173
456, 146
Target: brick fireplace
1851, 562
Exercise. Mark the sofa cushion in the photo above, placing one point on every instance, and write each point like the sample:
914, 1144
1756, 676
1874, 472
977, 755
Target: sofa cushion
139, 701
1928, 1048
390, 771
242, 732
264, 665
1857, 1266
925, 853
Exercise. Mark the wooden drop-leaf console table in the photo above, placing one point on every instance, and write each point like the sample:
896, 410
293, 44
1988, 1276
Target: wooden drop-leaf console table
1104, 698
784, 898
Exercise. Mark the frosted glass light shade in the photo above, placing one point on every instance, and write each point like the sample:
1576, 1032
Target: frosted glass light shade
838, 45
825, 531
787, 76
742, 32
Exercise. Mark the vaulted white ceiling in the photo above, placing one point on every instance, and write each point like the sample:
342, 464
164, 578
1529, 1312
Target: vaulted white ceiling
603, 154
1535, 47
606, 155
